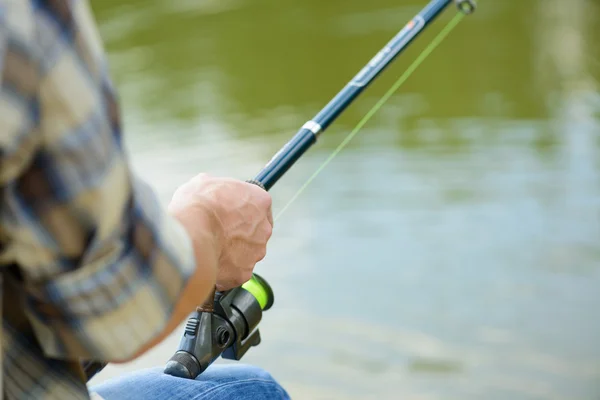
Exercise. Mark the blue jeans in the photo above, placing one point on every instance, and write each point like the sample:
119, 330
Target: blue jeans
218, 382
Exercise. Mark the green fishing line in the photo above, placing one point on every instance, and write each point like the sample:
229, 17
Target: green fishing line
424, 54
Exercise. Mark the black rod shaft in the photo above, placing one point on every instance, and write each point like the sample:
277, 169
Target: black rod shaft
307, 135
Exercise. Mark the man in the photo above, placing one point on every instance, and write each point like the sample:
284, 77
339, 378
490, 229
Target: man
91, 266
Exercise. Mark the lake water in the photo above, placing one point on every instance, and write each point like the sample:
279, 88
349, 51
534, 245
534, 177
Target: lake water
452, 250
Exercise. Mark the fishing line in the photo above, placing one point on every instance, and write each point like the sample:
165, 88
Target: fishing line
403, 78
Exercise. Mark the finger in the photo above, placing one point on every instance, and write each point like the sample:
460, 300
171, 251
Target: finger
264, 197
239, 276
267, 231
226, 283
270, 217
259, 255
220, 287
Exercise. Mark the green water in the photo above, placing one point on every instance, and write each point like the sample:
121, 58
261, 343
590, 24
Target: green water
452, 251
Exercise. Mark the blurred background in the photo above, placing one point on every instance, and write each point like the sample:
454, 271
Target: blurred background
452, 250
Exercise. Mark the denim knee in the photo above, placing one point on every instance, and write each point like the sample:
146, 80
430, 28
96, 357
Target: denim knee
237, 371
218, 382
243, 381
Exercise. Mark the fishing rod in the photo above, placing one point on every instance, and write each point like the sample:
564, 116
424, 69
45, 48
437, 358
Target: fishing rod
226, 323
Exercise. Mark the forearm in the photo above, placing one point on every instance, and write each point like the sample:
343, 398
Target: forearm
110, 273
200, 285
137, 277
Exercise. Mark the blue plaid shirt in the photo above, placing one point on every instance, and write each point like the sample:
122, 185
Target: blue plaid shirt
90, 264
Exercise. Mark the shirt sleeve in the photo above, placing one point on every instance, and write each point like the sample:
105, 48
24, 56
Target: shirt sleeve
102, 263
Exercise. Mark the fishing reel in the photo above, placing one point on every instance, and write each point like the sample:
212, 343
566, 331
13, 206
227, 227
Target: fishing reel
225, 325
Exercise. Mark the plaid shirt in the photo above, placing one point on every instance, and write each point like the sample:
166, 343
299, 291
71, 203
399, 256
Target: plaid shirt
90, 264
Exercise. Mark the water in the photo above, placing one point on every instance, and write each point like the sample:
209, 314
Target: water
452, 251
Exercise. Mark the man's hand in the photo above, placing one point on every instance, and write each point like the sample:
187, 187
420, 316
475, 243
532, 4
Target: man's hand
240, 220
229, 223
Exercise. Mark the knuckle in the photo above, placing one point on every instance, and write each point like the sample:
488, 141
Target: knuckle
268, 230
244, 276
225, 284
267, 200
261, 253
202, 176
